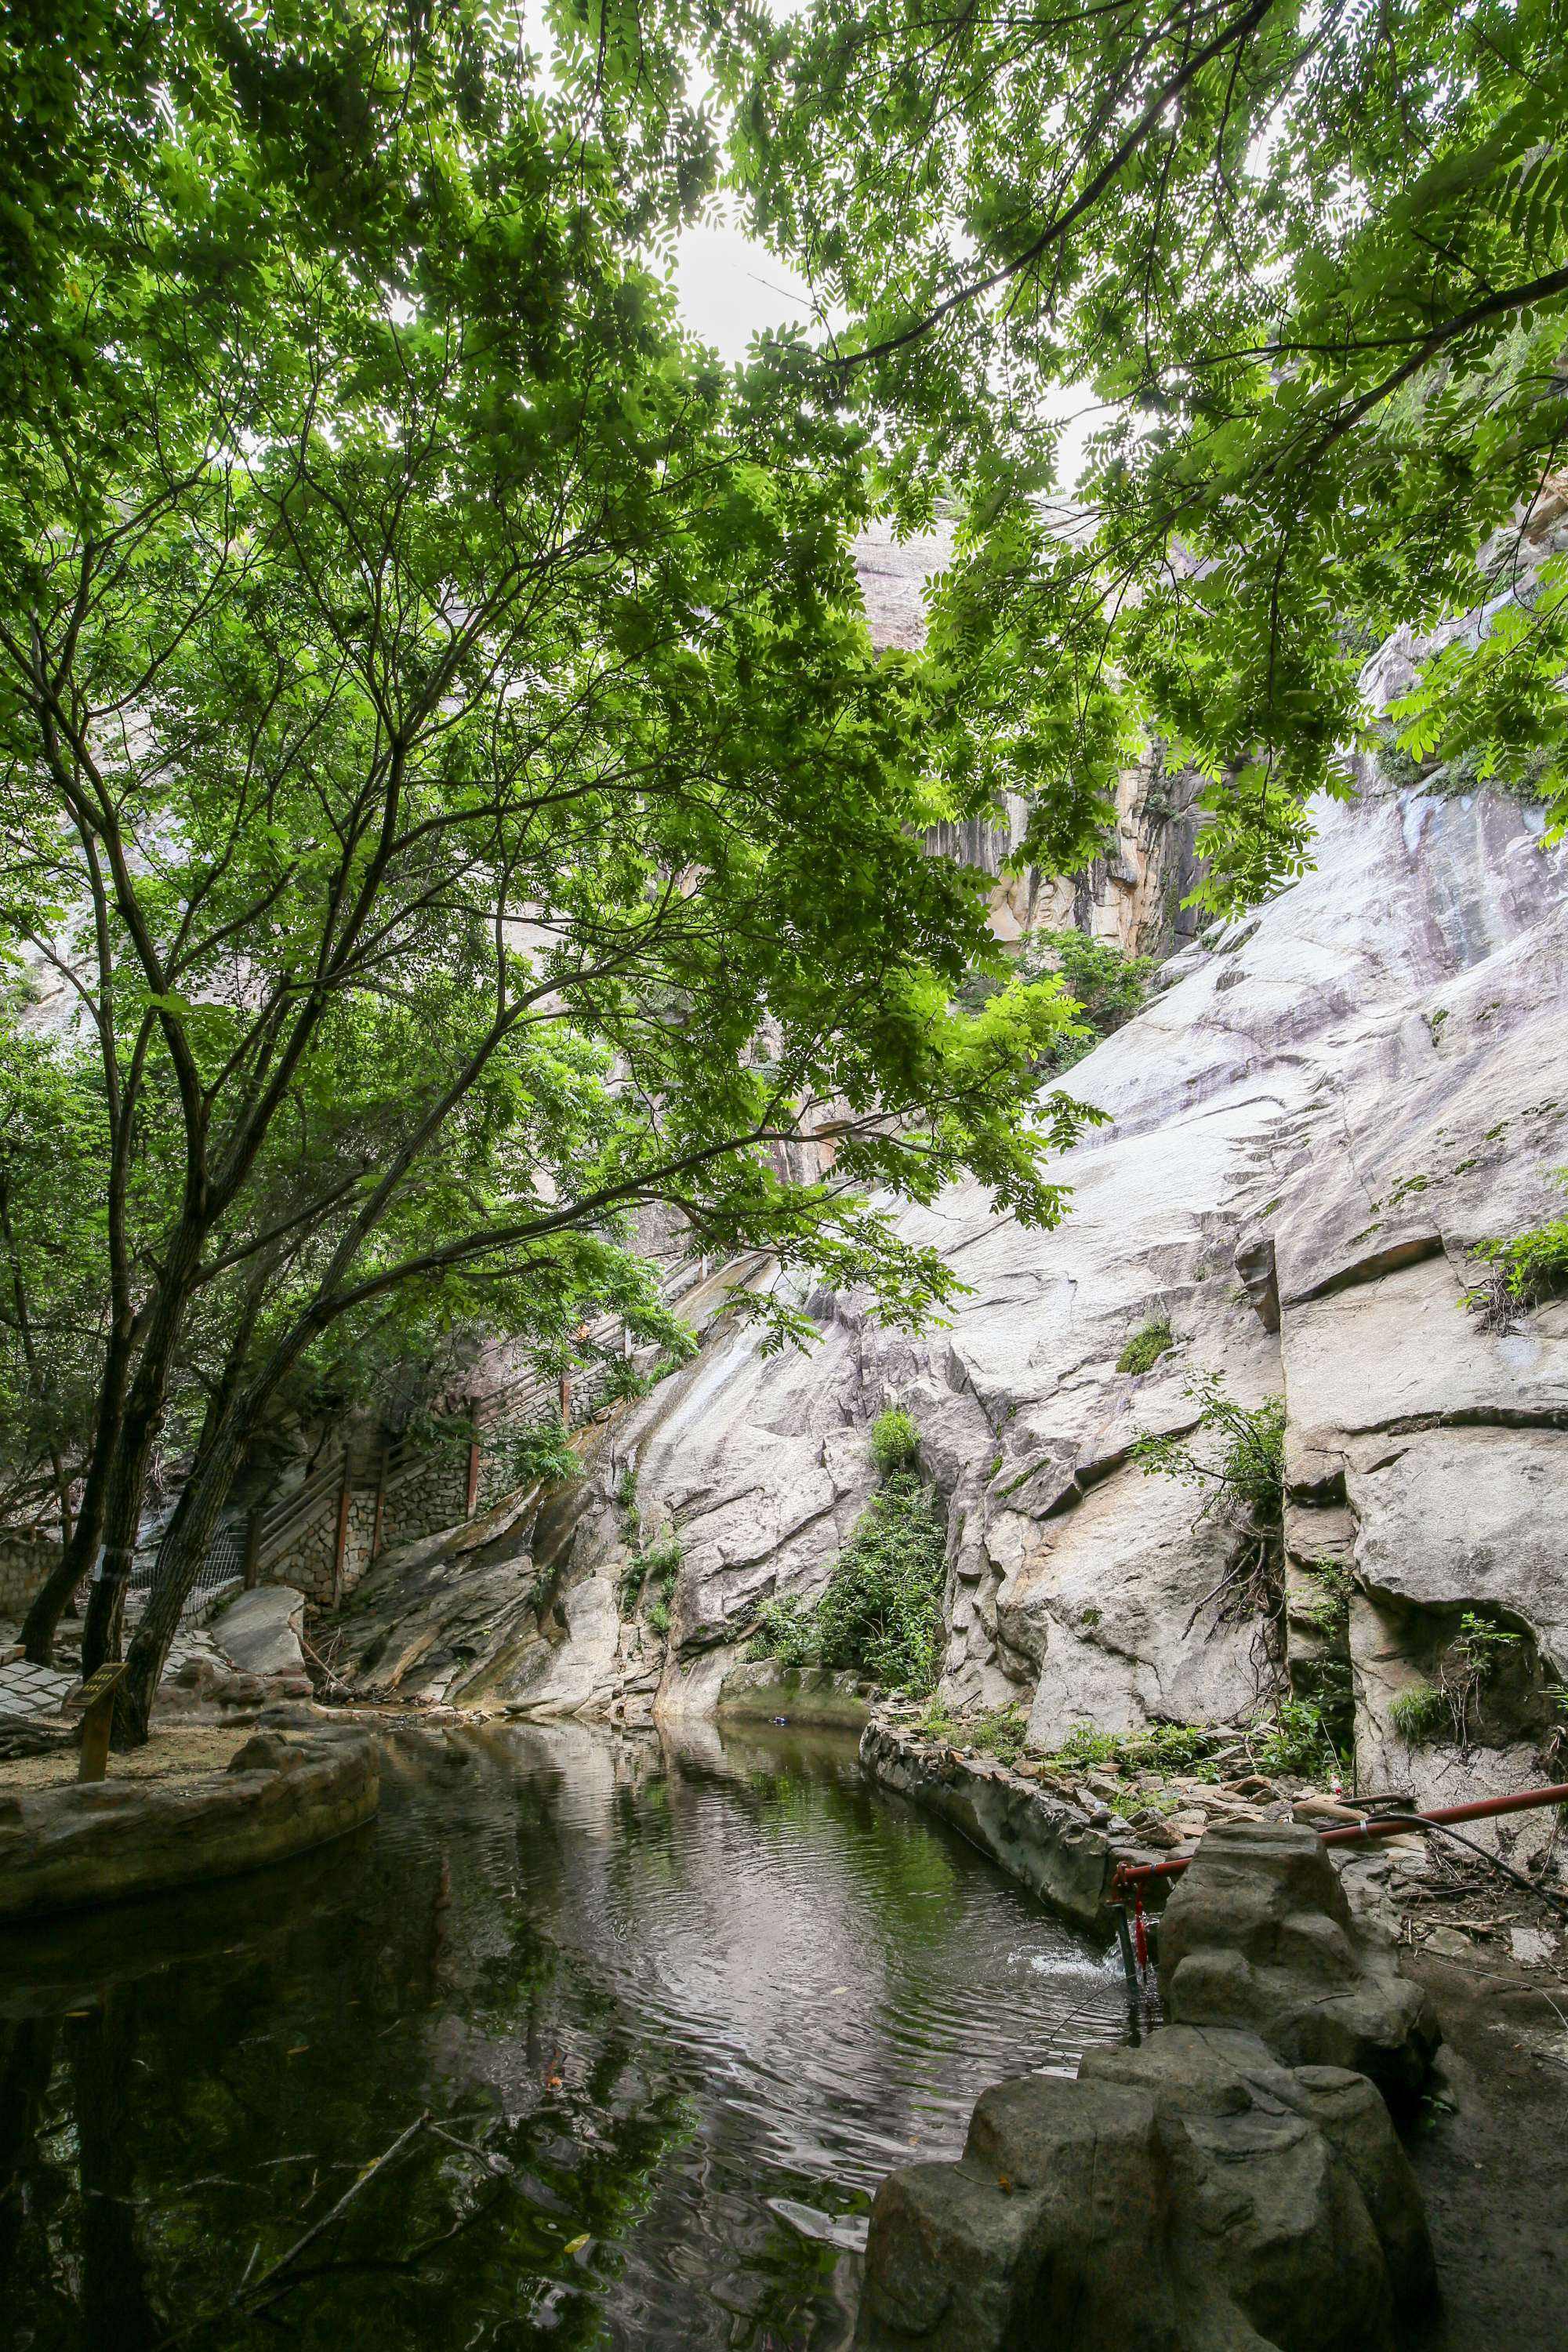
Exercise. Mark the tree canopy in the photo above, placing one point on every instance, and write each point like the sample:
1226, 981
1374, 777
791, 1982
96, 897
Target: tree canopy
443, 757
1314, 263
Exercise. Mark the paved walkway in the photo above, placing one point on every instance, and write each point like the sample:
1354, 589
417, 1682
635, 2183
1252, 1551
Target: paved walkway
28, 1690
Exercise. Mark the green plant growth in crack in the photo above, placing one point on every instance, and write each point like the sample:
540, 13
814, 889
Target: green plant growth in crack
1324, 1676
1235, 1454
1450, 1707
1327, 1610
654, 1568
1419, 1714
881, 1611
1470, 1665
1148, 1344
1523, 1270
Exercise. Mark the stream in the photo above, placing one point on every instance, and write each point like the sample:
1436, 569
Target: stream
655, 2018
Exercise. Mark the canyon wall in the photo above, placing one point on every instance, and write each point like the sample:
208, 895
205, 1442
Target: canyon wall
1321, 1111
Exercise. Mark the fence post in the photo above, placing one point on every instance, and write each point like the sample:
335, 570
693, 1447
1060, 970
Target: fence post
473, 1492
339, 1549
380, 1502
253, 1548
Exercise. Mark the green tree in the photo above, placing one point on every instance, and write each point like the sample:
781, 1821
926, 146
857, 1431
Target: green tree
445, 753
1311, 263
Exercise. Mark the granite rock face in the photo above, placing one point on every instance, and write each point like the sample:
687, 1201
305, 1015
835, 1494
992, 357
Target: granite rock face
1191, 2196
1311, 1124
1323, 1110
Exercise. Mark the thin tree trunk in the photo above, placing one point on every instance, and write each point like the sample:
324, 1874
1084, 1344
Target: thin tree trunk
50, 1602
180, 1556
133, 1456
231, 1415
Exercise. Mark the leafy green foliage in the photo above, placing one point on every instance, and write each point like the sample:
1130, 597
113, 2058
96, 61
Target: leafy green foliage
882, 1612
542, 1452
1148, 1344
442, 748
1526, 1269
1326, 346
657, 1565
1235, 1453
786, 1630
895, 1442
1107, 985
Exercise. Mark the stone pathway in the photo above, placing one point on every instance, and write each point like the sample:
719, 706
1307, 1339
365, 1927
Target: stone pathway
28, 1690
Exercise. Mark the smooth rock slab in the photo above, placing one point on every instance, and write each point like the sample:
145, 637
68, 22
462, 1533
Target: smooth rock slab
260, 1631
64, 1848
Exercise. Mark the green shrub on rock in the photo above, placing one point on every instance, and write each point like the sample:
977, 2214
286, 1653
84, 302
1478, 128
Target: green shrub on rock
895, 1442
1146, 1346
882, 1608
882, 1614
1525, 1269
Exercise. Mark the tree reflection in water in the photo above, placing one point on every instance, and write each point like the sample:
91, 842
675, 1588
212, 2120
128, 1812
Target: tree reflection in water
641, 1997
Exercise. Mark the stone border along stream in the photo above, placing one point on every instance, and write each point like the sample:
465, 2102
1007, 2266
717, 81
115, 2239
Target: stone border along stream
71, 1847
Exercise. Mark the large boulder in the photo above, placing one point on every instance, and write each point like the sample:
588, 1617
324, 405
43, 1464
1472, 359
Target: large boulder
259, 1631
1192, 2196
1260, 1936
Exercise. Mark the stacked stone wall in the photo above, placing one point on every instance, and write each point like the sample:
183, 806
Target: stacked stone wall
25, 1561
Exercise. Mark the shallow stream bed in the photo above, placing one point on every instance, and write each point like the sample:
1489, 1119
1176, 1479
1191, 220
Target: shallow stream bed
667, 2014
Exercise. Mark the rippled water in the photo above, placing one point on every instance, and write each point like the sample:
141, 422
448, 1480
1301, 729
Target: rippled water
670, 2013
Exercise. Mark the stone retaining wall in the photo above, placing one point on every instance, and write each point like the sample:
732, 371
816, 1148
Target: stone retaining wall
1044, 1844
25, 1561
73, 1847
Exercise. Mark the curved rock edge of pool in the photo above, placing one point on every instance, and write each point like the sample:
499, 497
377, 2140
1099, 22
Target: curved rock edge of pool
1047, 1845
72, 1848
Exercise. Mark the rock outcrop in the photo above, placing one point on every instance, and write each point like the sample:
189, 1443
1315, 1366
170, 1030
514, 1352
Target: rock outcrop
1191, 2196
1318, 1116
1321, 1112
1260, 1936
1232, 2184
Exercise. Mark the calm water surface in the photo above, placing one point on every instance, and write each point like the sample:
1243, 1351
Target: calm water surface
669, 2012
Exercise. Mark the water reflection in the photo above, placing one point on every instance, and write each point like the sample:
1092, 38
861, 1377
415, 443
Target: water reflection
667, 2014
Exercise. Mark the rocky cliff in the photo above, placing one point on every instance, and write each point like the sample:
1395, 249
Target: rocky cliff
1323, 1109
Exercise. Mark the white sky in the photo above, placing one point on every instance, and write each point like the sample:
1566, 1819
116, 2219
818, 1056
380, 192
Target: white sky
729, 288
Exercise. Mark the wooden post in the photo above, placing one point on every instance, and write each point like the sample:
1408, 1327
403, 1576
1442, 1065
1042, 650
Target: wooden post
253, 1548
473, 1493
565, 1396
380, 1504
98, 1699
339, 1549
